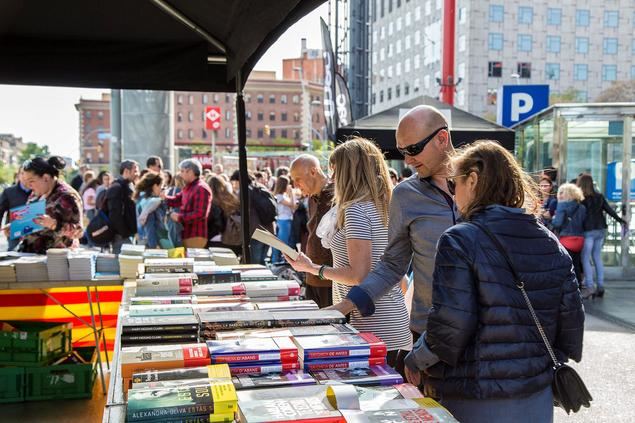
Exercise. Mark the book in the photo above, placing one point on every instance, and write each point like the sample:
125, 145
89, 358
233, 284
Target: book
215, 289
134, 359
170, 324
256, 275
307, 318
169, 265
219, 321
21, 218
279, 298
167, 286
261, 369
253, 350
342, 363
215, 307
223, 276
133, 250
340, 345
288, 305
161, 310
170, 276
289, 331
203, 418
159, 300
211, 299
272, 288
401, 411
183, 401
155, 253
210, 371
273, 380
271, 240
177, 383
373, 375
164, 338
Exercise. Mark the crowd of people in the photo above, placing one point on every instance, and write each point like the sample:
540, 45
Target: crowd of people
366, 232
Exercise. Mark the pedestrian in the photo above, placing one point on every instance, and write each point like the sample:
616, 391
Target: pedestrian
175, 229
154, 164
394, 176
104, 179
286, 205
482, 355
406, 173
356, 232
120, 205
194, 204
224, 228
549, 201
151, 211
307, 175
594, 234
14, 196
62, 220
78, 180
89, 175
569, 224
89, 198
421, 209
168, 179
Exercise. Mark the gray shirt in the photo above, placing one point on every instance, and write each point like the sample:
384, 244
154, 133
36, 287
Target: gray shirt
419, 213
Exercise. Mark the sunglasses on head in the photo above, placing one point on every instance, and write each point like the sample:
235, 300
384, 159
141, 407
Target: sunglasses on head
414, 149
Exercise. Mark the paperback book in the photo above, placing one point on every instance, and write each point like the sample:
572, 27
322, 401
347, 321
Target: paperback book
219, 321
164, 286
272, 288
271, 240
374, 375
340, 345
289, 331
288, 305
169, 265
342, 363
161, 310
163, 338
253, 350
210, 371
216, 307
206, 277
159, 300
216, 289
273, 380
307, 318
152, 324
261, 369
139, 358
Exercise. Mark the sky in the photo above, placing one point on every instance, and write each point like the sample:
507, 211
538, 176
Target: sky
47, 115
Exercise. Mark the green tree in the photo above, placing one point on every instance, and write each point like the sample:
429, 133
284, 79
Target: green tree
7, 172
570, 95
32, 150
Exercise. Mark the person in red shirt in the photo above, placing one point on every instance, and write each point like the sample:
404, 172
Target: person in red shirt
194, 203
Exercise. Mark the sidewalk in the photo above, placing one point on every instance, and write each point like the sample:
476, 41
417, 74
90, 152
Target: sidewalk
617, 306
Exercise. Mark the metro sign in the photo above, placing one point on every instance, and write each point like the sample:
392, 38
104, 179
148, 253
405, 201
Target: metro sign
212, 117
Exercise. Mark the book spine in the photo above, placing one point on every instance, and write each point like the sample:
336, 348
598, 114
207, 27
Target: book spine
169, 412
377, 346
309, 322
195, 356
324, 365
352, 352
263, 369
218, 326
172, 329
246, 358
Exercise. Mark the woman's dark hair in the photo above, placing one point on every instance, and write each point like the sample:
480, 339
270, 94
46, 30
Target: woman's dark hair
146, 183
282, 182
41, 166
501, 180
169, 179
585, 182
100, 176
221, 196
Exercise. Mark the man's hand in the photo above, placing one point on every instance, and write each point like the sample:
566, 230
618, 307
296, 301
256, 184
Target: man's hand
413, 376
345, 307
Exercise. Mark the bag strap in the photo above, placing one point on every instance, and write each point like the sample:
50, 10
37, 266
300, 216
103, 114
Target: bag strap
521, 285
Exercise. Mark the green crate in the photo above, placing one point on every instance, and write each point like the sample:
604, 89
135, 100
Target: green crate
35, 343
11, 384
64, 381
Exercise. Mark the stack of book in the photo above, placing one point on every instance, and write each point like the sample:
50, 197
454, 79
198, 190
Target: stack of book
287, 305
31, 269
209, 274
129, 265
160, 310
199, 254
57, 264
341, 351
133, 250
159, 330
174, 285
7, 270
107, 266
289, 331
169, 265
155, 253
273, 289
81, 266
220, 289
223, 256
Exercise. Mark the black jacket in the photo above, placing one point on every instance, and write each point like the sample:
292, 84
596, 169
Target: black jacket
77, 182
596, 205
121, 208
13, 196
479, 325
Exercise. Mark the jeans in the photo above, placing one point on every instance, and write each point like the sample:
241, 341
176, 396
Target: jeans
258, 252
593, 242
284, 233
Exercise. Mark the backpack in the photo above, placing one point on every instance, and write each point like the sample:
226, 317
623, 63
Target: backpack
232, 233
99, 230
265, 204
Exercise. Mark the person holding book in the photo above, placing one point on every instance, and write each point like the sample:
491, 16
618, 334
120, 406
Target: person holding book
14, 196
286, 205
356, 232
62, 221
482, 353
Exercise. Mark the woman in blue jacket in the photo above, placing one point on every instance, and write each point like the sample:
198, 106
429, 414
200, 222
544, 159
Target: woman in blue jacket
568, 222
482, 355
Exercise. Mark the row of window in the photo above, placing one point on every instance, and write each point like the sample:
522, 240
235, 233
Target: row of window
190, 116
88, 114
204, 98
389, 92
610, 45
554, 16
283, 99
204, 134
284, 133
552, 71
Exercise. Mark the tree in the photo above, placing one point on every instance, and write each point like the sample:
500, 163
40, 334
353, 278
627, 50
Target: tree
32, 150
7, 172
570, 95
619, 91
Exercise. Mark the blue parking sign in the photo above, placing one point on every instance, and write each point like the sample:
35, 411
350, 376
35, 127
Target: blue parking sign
519, 102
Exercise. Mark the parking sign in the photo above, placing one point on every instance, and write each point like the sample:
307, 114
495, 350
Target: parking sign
519, 102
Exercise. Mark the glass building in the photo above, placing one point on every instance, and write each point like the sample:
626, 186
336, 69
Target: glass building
594, 138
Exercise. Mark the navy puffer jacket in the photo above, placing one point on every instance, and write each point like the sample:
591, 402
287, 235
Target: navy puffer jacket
480, 326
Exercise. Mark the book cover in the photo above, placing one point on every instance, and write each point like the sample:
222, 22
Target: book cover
162, 338
288, 305
203, 418
160, 300
220, 276
260, 369
288, 331
271, 240
175, 383
171, 324
211, 371
253, 350
139, 358
209, 299
273, 380
342, 363
161, 310
237, 320
216, 307
374, 375
21, 218
400, 411
307, 318
215, 289
164, 286
272, 288
182, 401
340, 345
279, 298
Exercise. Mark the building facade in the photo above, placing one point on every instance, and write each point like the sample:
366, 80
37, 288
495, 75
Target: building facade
574, 47
94, 131
10, 149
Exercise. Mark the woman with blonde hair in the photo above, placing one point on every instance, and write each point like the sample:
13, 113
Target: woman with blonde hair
568, 222
483, 354
356, 231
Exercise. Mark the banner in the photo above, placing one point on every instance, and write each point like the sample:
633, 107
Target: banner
343, 101
329, 81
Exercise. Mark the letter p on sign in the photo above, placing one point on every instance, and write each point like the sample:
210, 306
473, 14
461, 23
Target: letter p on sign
520, 103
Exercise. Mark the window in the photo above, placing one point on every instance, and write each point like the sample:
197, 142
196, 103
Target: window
296, 134
389, 6
284, 133
247, 115
272, 116
580, 72
261, 133
382, 54
495, 69
381, 96
417, 13
389, 71
609, 72
382, 32
205, 98
581, 45
373, 98
100, 115
582, 17
215, 98
525, 15
272, 99
227, 132
406, 66
408, 19
272, 133
296, 99
260, 99
228, 97
407, 42
389, 94
462, 42
88, 115
248, 132
611, 18
374, 57
398, 24
428, 8
406, 88
390, 50
582, 96
524, 42
179, 116
296, 117
553, 44
190, 134
495, 41
417, 37
191, 99
283, 116
398, 91
179, 99
179, 134
398, 46
247, 98
283, 99
610, 46
496, 13
492, 96
203, 134
228, 114
375, 37
417, 61
462, 15
554, 16
190, 117
416, 85
261, 116
552, 71
391, 27
524, 69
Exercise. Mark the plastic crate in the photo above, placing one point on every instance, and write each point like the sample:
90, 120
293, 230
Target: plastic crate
35, 343
11, 384
63, 381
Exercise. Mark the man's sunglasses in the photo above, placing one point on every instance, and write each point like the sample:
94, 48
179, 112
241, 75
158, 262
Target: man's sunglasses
414, 149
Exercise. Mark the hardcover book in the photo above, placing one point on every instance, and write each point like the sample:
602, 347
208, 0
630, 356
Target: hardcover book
164, 286
307, 318
237, 320
171, 324
273, 380
254, 350
215, 289
288, 305
211, 371
161, 310
135, 359
261, 369
160, 300
340, 345
342, 363
374, 375
272, 288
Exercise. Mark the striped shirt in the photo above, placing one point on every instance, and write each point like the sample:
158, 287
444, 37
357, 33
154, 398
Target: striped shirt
390, 321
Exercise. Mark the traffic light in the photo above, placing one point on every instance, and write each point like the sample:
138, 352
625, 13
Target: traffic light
267, 130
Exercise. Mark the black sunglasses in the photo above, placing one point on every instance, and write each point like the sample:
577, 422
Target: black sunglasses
414, 149
452, 183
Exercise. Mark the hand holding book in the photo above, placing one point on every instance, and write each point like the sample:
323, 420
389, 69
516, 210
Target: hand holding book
271, 240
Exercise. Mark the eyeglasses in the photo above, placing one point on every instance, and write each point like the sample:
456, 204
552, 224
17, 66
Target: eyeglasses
452, 183
414, 149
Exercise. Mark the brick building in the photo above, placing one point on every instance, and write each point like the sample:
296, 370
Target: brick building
94, 131
10, 149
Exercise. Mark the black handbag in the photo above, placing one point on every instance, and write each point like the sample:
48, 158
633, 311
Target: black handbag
99, 229
569, 391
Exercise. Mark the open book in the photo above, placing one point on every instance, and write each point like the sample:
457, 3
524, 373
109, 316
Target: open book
271, 240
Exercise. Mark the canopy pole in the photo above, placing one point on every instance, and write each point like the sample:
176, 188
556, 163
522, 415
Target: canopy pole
242, 167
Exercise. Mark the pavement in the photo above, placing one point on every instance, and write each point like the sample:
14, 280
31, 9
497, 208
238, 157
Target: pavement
617, 306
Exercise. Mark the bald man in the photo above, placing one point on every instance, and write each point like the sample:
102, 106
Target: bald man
421, 209
307, 175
